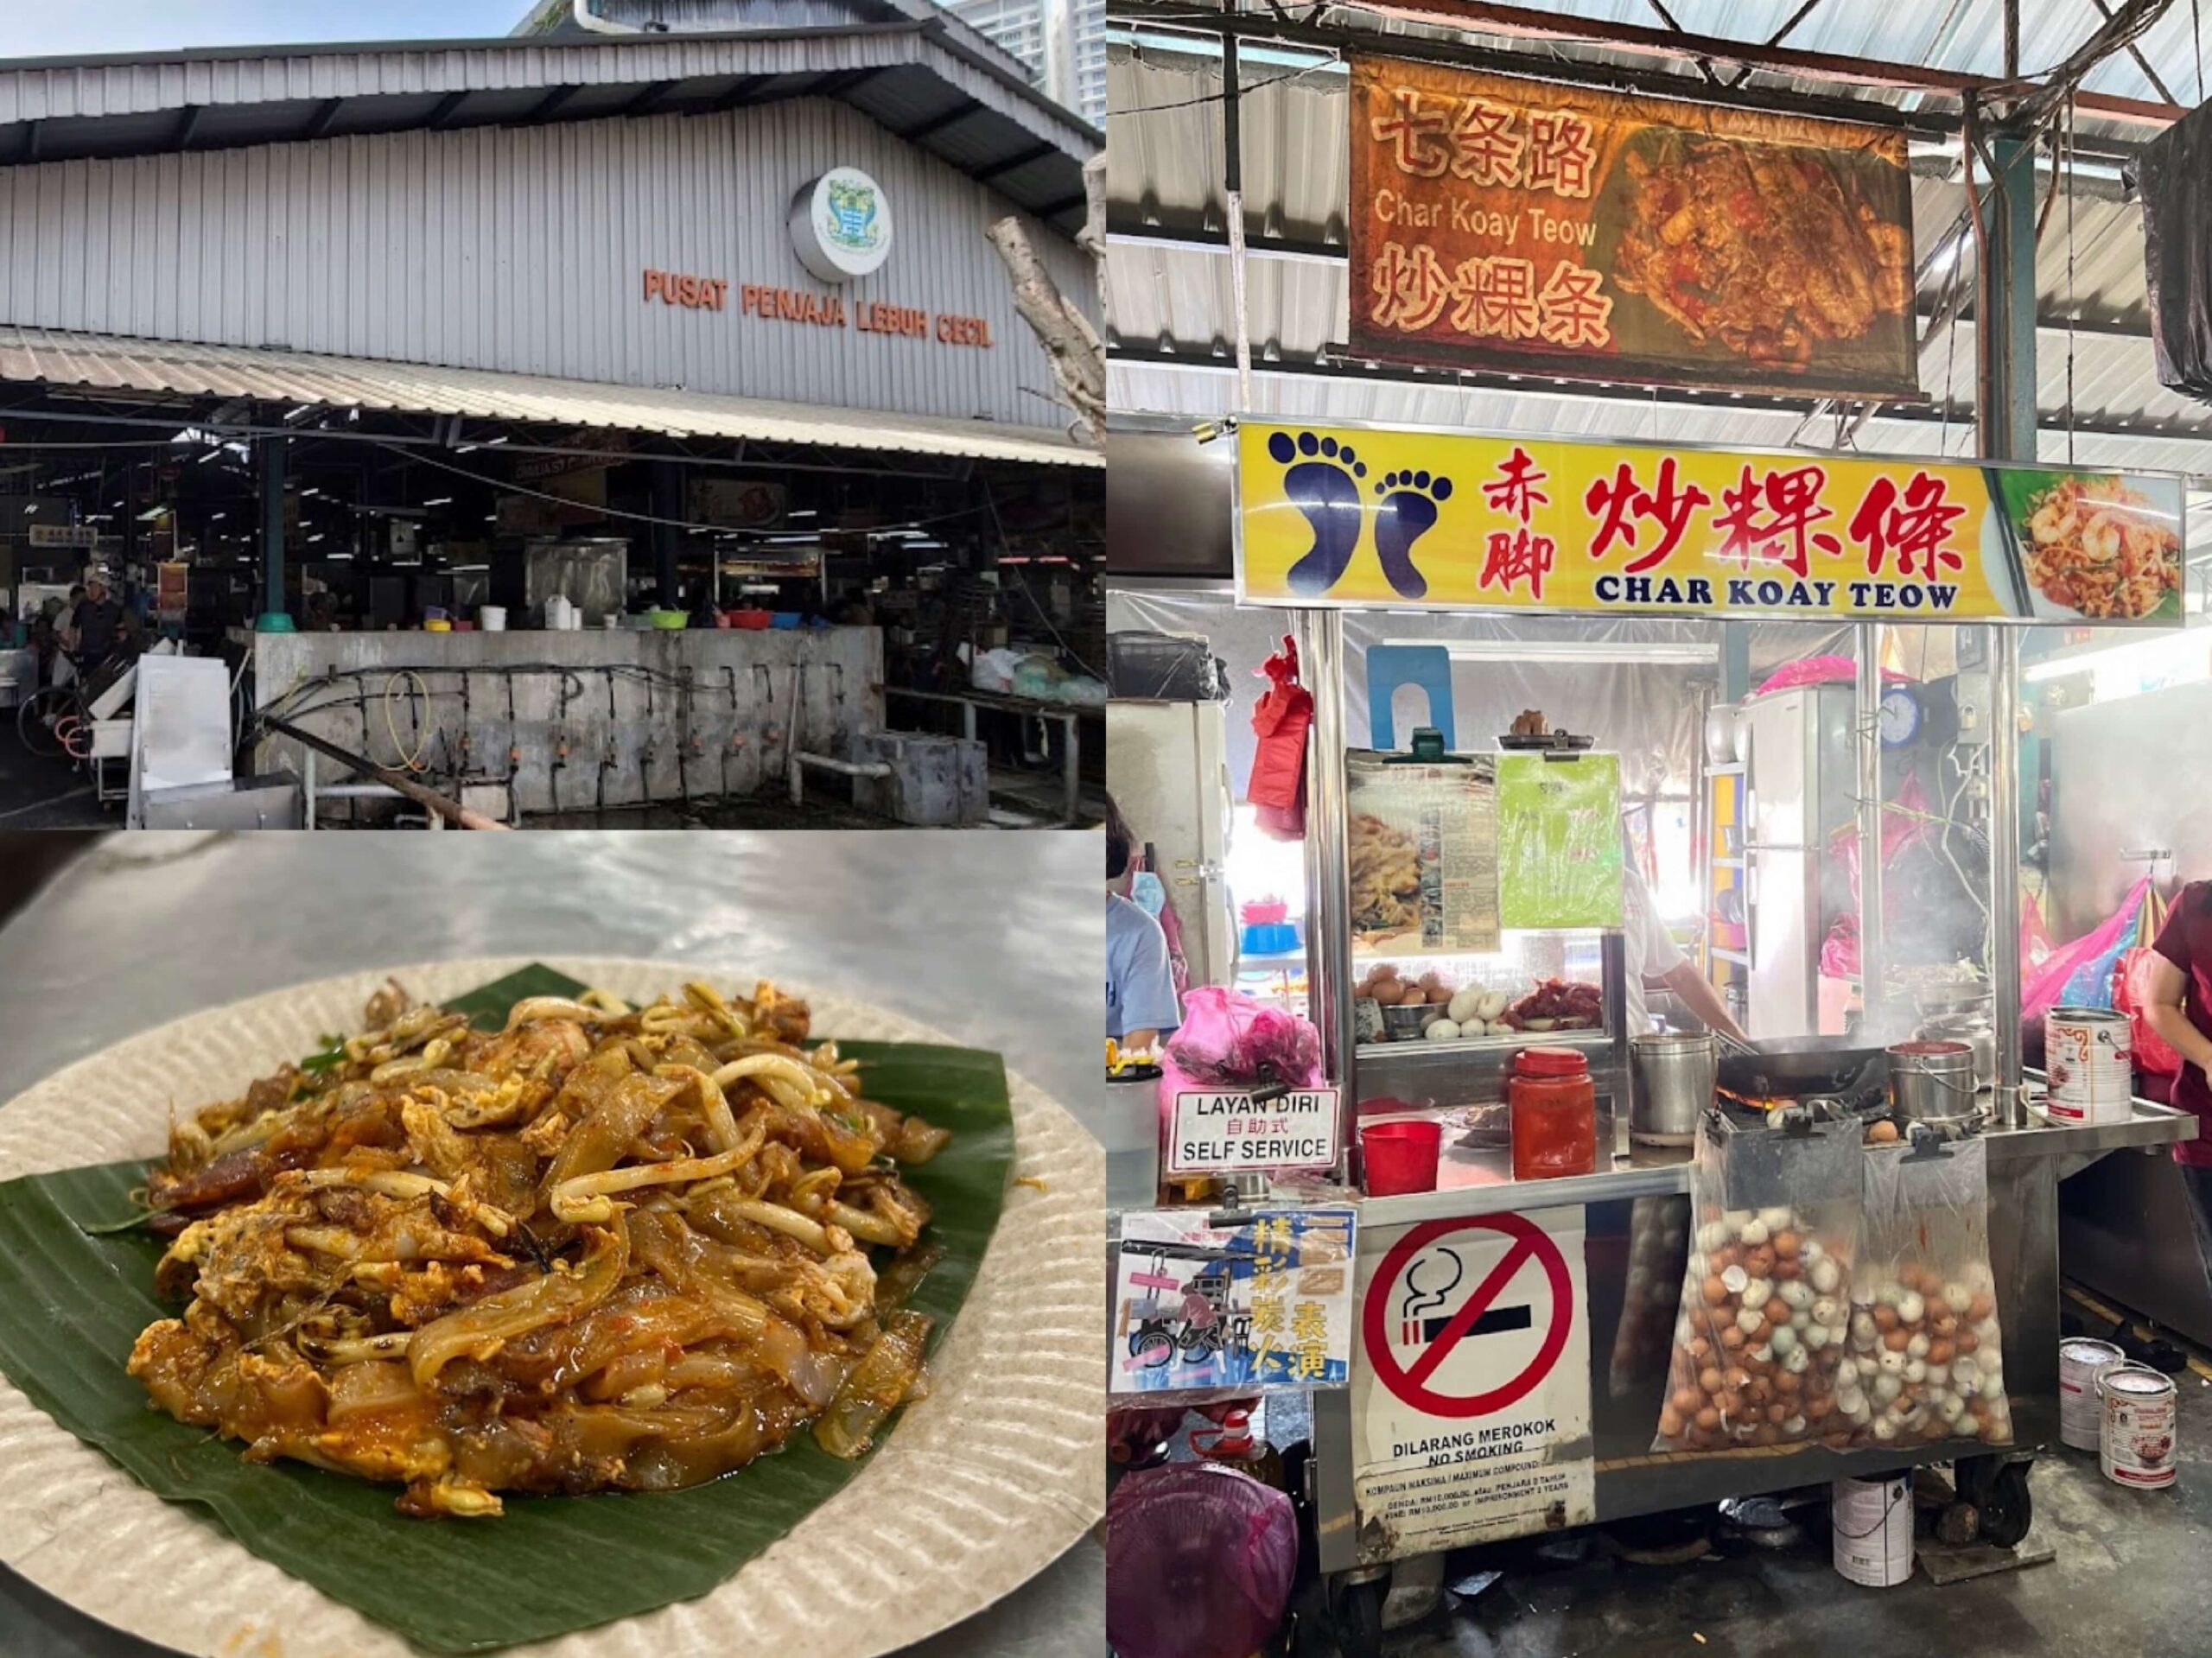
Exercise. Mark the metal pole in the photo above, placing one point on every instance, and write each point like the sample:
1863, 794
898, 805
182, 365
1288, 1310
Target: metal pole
275, 452
1320, 636
1873, 983
2006, 426
1232, 140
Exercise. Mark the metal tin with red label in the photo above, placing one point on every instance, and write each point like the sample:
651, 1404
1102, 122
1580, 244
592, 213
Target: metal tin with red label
2089, 1059
2138, 1444
2081, 1409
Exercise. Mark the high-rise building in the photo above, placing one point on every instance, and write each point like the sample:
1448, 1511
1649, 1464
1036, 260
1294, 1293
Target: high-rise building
1063, 42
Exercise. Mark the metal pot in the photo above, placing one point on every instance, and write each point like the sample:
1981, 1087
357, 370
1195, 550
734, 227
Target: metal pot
1675, 1075
1720, 734
1933, 1082
1975, 1030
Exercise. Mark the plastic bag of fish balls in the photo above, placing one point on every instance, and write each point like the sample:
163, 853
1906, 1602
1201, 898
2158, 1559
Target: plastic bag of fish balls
1765, 1307
1925, 1349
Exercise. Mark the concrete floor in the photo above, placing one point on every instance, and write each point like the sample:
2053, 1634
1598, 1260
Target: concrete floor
40, 794
2132, 1578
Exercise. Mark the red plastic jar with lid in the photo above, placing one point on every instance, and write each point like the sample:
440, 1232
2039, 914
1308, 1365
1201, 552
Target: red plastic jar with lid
1555, 1109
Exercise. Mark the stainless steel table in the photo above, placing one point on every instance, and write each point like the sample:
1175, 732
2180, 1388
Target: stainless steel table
997, 940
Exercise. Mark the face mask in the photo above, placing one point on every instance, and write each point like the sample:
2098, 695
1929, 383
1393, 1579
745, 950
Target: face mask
1146, 889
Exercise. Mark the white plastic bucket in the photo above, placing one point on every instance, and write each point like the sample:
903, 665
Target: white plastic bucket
2081, 1408
492, 618
2140, 1433
1872, 1519
2089, 1059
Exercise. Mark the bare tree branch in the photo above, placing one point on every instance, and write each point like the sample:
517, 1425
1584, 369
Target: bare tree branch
1072, 344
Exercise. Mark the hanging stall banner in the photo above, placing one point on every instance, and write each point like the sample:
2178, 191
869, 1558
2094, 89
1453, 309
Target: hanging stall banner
1471, 1401
1257, 1299
1522, 224
1560, 841
1393, 515
1422, 856
1237, 1133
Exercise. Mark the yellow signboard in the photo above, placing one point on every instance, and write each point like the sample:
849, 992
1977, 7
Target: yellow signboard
1352, 517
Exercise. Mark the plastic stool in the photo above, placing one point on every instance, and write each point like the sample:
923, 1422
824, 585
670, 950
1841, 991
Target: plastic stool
1390, 666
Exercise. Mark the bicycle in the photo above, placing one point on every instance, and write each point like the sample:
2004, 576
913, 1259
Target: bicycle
56, 719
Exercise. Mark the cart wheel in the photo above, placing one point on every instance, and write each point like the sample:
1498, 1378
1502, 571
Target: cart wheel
1359, 1618
35, 718
2007, 1510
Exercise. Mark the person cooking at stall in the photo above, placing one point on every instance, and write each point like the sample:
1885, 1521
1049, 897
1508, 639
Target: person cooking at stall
2181, 1011
1653, 956
1141, 1005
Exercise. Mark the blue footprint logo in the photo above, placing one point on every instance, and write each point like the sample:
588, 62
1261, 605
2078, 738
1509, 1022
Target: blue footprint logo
1407, 513
1324, 486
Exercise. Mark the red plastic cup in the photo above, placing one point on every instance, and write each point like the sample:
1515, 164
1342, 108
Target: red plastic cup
1401, 1157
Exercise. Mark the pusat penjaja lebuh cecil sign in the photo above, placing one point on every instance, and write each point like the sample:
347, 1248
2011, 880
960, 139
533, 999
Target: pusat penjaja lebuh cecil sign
841, 229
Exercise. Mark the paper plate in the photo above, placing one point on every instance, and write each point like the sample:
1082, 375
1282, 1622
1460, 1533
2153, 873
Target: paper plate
983, 1484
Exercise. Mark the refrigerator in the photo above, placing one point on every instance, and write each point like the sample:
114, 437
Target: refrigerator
1801, 786
1169, 767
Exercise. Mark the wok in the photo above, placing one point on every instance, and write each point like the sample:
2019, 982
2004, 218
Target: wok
1790, 1067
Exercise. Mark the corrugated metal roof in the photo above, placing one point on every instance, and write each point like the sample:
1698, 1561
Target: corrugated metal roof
916, 77
114, 362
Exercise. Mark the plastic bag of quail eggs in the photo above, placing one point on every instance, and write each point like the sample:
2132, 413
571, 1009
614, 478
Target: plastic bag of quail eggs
1765, 1305
1924, 1351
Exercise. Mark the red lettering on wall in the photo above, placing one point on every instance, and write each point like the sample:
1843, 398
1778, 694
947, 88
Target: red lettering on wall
696, 293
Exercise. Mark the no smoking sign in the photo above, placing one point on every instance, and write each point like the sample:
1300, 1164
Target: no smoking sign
1467, 1316
1473, 1393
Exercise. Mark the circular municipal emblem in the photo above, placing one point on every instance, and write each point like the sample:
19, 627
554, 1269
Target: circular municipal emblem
841, 225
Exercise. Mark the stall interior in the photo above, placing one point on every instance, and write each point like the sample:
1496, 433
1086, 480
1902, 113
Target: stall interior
981, 577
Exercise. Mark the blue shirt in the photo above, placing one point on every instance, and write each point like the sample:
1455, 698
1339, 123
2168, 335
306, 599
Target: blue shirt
1140, 987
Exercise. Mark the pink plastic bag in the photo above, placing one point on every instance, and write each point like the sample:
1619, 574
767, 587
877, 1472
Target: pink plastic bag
2070, 976
1232, 1041
1818, 670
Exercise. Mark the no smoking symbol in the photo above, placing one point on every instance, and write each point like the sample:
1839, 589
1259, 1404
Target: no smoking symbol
1475, 1314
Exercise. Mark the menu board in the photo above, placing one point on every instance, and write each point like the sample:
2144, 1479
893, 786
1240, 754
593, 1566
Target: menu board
1414, 519
1559, 839
1563, 230
1422, 856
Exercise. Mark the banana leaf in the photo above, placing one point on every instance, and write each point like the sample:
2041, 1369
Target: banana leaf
75, 1292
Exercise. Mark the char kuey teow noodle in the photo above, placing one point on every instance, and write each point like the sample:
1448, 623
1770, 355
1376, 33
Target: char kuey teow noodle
605, 1248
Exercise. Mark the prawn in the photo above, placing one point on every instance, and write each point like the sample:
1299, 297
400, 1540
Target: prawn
2052, 522
2100, 538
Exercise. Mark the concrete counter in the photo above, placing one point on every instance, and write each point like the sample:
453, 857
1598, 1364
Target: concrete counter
575, 720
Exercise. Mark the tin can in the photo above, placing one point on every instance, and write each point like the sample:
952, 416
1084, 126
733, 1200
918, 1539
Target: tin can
2137, 1445
1870, 1517
2090, 1062
2081, 1409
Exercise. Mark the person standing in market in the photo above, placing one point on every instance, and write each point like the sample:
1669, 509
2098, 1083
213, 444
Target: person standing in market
1653, 956
1141, 1005
2180, 1010
94, 625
